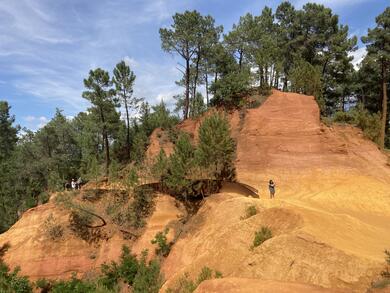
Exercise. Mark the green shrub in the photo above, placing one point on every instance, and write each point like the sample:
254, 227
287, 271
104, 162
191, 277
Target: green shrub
386, 273
114, 171
52, 229
160, 166
343, 117
12, 282
141, 205
306, 79
92, 195
79, 223
230, 89
43, 197
128, 267
180, 165
161, 240
186, 285
74, 285
216, 149
360, 117
148, 278
261, 236
44, 285
110, 276
250, 211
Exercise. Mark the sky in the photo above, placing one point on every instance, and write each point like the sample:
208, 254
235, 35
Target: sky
47, 47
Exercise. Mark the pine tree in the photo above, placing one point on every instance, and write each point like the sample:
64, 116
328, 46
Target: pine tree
124, 81
378, 46
216, 149
100, 93
180, 164
8, 132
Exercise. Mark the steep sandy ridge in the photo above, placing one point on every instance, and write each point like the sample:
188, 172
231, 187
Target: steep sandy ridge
40, 257
331, 217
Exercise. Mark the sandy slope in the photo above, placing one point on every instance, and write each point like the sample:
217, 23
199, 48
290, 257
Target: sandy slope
330, 218
40, 257
333, 180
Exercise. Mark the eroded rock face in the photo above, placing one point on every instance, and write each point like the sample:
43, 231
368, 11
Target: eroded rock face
40, 257
332, 187
329, 220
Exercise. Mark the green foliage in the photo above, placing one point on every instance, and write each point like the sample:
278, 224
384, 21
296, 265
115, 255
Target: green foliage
161, 240
216, 149
260, 236
386, 273
100, 94
52, 229
186, 285
8, 133
378, 48
250, 211
74, 285
180, 164
10, 281
114, 171
160, 166
124, 81
79, 223
141, 205
229, 89
362, 118
191, 36
306, 79
126, 270
148, 278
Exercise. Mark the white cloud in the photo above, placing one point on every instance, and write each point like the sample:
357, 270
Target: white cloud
34, 123
358, 56
29, 118
130, 61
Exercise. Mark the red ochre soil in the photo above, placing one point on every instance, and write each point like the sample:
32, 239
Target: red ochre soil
330, 219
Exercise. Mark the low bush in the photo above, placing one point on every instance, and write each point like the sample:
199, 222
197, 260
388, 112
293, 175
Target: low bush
79, 223
10, 281
362, 118
186, 285
163, 248
141, 206
74, 285
52, 229
250, 211
261, 236
148, 278
126, 270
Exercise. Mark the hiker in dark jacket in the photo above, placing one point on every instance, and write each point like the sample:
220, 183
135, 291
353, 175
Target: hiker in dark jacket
271, 187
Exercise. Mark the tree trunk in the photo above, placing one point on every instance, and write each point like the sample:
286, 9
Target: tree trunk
195, 80
285, 84
384, 108
207, 86
128, 130
187, 93
106, 145
240, 52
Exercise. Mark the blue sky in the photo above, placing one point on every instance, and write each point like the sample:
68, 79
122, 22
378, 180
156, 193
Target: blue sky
47, 47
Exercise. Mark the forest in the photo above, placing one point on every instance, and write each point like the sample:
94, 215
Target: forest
301, 50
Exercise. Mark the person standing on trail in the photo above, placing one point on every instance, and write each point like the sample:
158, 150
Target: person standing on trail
73, 184
271, 187
78, 183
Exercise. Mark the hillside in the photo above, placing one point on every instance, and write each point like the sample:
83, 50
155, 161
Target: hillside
330, 218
